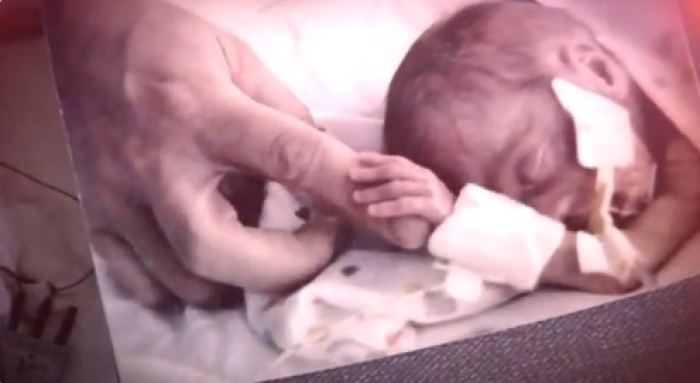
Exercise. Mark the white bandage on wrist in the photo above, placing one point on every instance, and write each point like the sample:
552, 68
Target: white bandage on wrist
501, 240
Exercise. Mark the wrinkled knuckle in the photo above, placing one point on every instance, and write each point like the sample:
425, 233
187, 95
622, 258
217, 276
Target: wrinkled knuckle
293, 157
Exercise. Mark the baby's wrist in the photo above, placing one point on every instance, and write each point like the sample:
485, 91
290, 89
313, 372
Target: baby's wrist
444, 210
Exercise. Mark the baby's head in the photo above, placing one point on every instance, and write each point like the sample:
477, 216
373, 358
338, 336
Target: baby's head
473, 101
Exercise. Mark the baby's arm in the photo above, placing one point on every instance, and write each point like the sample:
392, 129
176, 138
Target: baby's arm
662, 229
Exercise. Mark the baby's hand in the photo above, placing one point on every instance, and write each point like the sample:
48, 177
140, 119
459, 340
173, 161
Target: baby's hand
393, 186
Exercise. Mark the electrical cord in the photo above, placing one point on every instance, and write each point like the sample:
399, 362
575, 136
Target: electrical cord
38, 181
21, 279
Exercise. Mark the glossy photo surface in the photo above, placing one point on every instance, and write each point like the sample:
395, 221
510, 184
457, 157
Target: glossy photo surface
273, 188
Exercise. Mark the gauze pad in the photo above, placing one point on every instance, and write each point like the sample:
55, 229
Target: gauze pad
498, 238
604, 134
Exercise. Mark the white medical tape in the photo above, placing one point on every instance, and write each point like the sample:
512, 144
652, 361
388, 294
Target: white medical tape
603, 128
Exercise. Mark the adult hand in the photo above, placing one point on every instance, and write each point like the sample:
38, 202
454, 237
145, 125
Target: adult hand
160, 107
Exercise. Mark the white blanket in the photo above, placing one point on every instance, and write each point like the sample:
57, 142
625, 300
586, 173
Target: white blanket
345, 92
218, 348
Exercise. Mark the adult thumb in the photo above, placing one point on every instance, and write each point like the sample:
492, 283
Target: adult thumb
248, 135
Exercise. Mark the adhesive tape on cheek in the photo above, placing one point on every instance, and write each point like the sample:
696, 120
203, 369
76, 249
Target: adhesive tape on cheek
592, 257
603, 128
499, 239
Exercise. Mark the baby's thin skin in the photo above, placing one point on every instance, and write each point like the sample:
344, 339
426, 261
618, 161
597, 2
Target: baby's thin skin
393, 186
472, 102
160, 105
390, 186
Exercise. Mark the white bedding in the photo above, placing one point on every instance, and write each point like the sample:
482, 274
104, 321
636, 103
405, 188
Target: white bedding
215, 348
345, 92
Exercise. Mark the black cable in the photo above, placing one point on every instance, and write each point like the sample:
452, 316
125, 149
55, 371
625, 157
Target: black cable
20, 279
38, 181
56, 290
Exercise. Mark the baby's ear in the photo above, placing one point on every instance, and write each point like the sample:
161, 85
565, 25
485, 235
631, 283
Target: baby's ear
592, 67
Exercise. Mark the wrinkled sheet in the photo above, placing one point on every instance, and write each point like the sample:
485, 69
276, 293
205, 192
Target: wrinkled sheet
345, 92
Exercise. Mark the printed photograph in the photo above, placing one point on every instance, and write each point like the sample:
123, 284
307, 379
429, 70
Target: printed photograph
276, 187
52, 323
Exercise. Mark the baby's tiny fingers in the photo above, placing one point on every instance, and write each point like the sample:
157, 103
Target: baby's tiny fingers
368, 174
391, 190
397, 169
372, 158
398, 207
